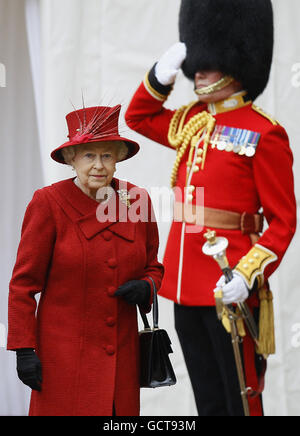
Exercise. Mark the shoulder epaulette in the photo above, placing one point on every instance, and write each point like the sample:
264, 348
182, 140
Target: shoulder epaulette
265, 115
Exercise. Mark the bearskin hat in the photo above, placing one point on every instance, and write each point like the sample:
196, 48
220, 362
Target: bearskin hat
231, 36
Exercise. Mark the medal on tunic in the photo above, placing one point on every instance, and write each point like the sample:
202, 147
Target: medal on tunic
240, 141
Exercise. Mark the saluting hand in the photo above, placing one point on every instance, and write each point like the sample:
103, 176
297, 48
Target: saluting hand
169, 64
135, 292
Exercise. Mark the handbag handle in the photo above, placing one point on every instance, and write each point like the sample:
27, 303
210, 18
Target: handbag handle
154, 309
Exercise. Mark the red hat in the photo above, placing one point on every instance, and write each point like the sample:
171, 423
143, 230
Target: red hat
94, 124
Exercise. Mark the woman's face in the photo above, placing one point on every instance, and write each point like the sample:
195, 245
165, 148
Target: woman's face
95, 165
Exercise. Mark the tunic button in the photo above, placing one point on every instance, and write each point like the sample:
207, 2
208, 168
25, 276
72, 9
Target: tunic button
107, 236
111, 291
110, 321
112, 263
110, 350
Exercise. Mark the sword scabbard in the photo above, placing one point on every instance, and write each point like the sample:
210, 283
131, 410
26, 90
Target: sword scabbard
215, 247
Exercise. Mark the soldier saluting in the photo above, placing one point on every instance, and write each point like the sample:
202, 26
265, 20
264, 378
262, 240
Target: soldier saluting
242, 157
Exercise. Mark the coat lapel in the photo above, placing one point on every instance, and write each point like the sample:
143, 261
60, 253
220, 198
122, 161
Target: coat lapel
90, 227
83, 210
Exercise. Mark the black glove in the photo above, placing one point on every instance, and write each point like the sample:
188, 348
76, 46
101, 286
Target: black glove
29, 368
135, 292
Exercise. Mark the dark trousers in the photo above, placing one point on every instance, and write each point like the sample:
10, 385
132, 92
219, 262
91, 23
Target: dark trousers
209, 358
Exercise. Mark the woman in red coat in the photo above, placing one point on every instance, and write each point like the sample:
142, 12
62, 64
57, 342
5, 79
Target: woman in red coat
92, 265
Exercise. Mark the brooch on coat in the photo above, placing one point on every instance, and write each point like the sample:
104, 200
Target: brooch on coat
240, 141
124, 197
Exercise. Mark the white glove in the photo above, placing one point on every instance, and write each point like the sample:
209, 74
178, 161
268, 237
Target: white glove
235, 291
169, 64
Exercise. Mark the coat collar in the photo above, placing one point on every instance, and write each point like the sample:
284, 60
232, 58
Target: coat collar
86, 212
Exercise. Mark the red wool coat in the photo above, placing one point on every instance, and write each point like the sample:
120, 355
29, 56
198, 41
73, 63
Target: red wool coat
86, 339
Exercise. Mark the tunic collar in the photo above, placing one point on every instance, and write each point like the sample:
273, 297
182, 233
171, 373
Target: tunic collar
235, 101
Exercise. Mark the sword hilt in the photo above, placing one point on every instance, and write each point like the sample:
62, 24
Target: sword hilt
228, 274
216, 248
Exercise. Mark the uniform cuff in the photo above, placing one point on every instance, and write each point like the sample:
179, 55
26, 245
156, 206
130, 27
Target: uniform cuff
251, 267
154, 87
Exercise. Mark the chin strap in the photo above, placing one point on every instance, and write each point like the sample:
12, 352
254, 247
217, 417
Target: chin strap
217, 86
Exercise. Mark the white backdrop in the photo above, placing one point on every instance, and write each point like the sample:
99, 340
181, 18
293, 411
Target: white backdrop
56, 50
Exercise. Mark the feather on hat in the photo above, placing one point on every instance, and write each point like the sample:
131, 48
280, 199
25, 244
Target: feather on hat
94, 124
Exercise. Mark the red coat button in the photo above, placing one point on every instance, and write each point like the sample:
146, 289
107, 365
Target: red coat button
110, 350
112, 263
111, 291
110, 321
107, 236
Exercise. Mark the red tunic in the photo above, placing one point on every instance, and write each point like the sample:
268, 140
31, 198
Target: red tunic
86, 339
231, 182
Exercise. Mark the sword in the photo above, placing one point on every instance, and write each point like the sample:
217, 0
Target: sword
216, 247
235, 339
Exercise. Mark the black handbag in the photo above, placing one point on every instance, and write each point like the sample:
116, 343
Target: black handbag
155, 346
